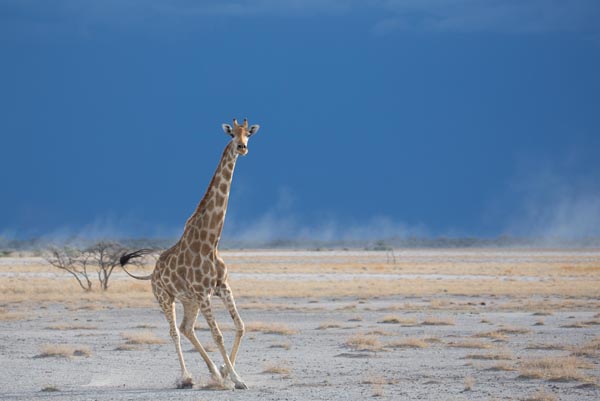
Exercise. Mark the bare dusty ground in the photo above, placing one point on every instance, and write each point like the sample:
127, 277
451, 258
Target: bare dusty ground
483, 324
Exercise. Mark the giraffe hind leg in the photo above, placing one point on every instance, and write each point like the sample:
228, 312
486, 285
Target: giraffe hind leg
167, 303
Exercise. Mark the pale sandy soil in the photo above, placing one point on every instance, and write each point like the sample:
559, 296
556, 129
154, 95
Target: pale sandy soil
430, 325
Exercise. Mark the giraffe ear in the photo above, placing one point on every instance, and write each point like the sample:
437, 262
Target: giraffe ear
227, 128
253, 129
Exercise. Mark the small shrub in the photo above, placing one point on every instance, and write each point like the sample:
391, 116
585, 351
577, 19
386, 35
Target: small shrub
62, 351
361, 342
142, 337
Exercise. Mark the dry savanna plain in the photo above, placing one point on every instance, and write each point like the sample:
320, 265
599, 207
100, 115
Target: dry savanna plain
416, 324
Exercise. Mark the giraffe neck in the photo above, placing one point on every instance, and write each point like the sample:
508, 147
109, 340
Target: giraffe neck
207, 221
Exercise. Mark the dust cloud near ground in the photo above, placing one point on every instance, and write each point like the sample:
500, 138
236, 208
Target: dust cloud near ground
442, 324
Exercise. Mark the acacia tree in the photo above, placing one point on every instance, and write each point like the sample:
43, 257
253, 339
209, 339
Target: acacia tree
105, 255
73, 261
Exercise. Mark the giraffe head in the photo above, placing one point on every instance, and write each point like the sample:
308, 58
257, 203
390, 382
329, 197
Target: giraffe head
240, 134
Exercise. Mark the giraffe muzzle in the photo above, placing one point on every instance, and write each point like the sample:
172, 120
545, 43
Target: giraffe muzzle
242, 149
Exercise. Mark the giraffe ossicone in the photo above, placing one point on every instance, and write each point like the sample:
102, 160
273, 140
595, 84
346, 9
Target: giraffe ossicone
192, 271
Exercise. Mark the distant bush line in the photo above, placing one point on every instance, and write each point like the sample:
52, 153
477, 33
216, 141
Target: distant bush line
38, 245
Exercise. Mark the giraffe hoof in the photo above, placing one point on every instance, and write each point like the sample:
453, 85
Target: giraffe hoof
241, 386
185, 382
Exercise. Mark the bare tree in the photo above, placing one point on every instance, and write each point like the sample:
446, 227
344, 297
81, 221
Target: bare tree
73, 261
105, 255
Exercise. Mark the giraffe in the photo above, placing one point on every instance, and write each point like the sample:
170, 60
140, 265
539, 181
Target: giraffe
191, 271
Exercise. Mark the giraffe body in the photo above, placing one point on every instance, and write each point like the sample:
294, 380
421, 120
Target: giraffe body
192, 271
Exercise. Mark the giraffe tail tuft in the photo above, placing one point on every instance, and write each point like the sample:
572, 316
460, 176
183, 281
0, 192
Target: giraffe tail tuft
126, 257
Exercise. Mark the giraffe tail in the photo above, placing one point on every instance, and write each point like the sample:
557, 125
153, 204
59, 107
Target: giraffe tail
132, 255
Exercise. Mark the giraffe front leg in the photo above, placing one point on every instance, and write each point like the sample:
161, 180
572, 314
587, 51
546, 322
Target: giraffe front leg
229, 302
190, 312
206, 309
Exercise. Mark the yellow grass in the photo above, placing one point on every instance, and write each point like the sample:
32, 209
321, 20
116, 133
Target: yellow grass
435, 321
141, 337
503, 367
554, 369
71, 327
494, 335
285, 346
513, 330
541, 395
409, 342
62, 351
277, 369
127, 347
377, 382
502, 355
470, 344
270, 328
362, 342
469, 383
394, 319
582, 288
330, 325
589, 349
547, 347
8, 315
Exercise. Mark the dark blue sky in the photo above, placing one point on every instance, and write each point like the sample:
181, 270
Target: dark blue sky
393, 118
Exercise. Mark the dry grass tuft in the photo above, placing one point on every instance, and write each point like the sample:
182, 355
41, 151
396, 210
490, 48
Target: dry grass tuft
575, 325
380, 333
434, 321
503, 367
50, 389
7, 315
71, 327
361, 342
470, 344
270, 328
541, 395
542, 313
277, 369
377, 383
285, 346
145, 326
469, 383
492, 356
494, 335
62, 351
554, 369
393, 319
546, 347
409, 342
377, 390
513, 330
590, 349
142, 337
127, 347
330, 325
